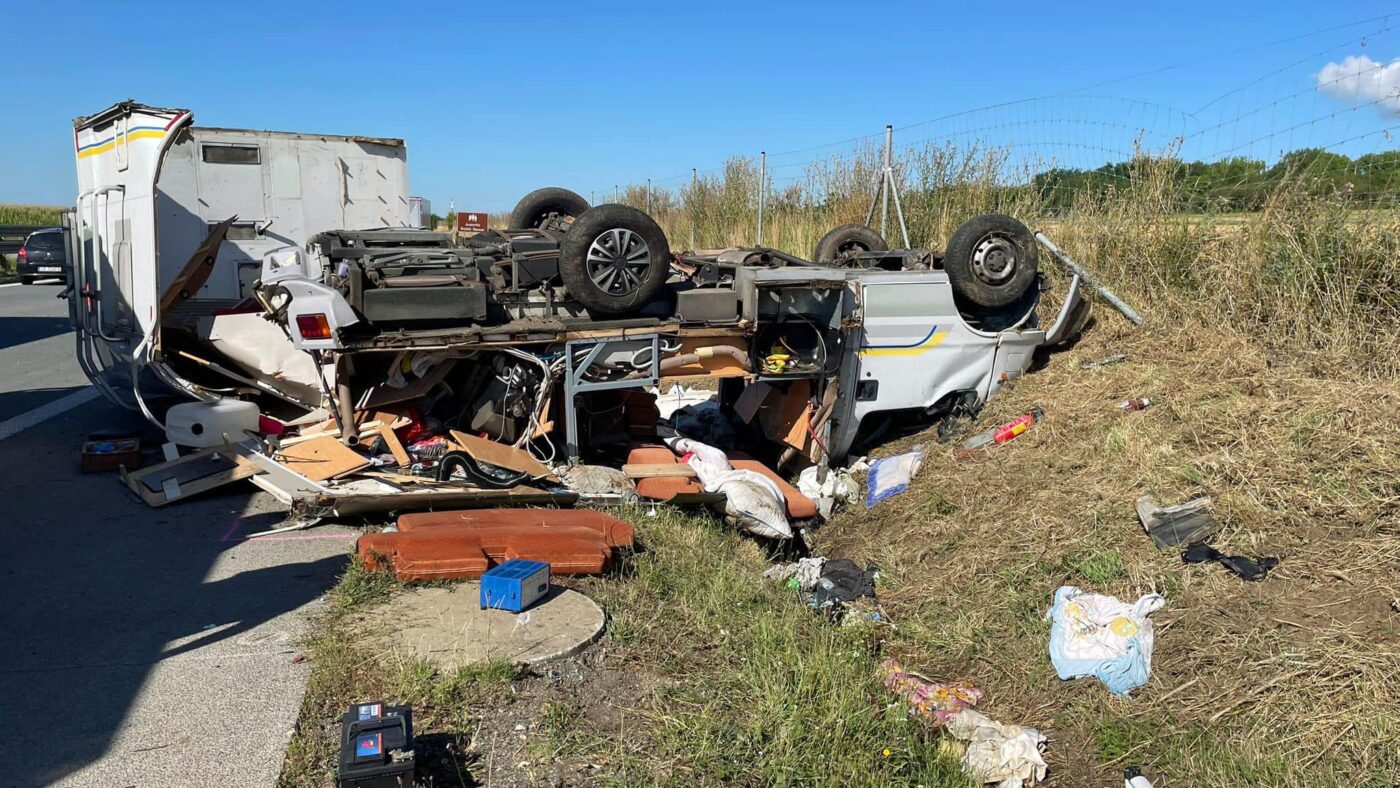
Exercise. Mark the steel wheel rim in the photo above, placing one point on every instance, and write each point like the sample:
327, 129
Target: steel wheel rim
618, 261
994, 258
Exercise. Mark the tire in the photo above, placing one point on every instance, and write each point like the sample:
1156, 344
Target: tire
991, 261
542, 205
846, 240
601, 279
26, 280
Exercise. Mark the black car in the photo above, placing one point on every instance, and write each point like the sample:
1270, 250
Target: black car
43, 256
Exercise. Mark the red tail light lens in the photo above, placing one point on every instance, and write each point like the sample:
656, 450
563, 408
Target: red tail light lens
22, 253
313, 326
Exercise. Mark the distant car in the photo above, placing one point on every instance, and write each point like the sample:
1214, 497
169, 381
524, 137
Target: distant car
43, 256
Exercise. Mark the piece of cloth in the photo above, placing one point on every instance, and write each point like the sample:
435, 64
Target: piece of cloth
1009, 755
751, 500
1245, 568
932, 700
890, 476
838, 490
1102, 636
804, 573
598, 480
842, 580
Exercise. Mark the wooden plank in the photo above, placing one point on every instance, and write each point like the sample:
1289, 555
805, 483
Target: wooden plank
396, 448
321, 458
197, 270
182, 477
659, 470
502, 456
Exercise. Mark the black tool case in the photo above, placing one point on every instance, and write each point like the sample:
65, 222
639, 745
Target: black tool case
376, 747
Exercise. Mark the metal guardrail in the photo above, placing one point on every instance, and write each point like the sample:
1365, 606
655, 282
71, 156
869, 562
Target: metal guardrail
12, 236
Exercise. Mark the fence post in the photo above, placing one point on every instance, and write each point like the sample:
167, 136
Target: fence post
885, 193
694, 182
762, 190
648, 195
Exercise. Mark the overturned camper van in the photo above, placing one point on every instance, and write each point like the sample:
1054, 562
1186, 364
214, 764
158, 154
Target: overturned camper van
281, 268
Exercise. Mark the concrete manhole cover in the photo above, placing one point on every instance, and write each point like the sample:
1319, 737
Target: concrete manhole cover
446, 626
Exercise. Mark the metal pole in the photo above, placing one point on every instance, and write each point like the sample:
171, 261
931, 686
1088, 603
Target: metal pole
648, 195
885, 198
617, 193
1076, 268
762, 189
592, 198
694, 183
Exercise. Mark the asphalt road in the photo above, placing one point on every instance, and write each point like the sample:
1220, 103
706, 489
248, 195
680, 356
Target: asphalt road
140, 647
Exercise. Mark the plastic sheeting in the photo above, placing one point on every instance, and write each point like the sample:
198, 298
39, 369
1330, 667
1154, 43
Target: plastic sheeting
890, 476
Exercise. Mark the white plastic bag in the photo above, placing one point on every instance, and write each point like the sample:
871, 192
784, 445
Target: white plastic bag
890, 476
752, 500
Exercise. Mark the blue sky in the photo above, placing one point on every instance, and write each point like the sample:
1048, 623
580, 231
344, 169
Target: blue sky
587, 95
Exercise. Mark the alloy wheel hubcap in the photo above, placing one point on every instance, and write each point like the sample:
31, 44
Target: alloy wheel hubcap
618, 261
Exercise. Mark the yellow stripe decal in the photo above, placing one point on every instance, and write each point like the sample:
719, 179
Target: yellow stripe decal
143, 134
934, 340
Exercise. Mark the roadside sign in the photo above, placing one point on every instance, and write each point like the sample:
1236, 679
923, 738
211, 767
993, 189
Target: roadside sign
468, 222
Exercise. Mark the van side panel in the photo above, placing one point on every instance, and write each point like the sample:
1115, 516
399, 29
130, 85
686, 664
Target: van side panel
283, 188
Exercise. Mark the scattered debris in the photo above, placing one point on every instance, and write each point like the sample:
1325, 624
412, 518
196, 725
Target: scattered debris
193, 473
462, 545
1137, 403
837, 490
752, 501
1002, 433
376, 746
1009, 755
1244, 568
102, 453
1132, 778
803, 574
890, 476
932, 700
1101, 636
514, 585
842, 581
599, 480
1116, 358
1173, 525
203, 424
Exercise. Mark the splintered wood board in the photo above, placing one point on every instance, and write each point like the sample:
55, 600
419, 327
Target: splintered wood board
322, 458
502, 456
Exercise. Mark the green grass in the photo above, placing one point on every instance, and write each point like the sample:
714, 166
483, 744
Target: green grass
752, 687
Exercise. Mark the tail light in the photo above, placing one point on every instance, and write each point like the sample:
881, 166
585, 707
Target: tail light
22, 254
313, 326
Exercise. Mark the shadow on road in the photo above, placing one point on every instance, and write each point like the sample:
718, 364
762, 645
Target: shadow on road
22, 330
98, 589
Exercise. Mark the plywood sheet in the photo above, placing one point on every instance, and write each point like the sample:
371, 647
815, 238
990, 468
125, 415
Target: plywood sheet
322, 458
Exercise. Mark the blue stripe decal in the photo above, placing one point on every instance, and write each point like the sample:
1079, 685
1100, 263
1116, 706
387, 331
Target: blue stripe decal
926, 338
113, 137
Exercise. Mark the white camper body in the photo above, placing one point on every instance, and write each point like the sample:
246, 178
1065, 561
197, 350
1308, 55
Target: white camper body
151, 185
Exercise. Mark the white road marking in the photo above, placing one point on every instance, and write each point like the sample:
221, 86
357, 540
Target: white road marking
12, 284
24, 421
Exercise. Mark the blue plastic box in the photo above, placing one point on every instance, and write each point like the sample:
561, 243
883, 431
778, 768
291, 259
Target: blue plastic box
514, 585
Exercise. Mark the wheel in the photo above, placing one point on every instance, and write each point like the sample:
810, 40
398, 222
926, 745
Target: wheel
26, 280
991, 261
545, 206
846, 240
614, 259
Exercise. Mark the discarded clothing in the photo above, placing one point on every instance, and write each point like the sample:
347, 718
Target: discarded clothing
890, 476
933, 700
804, 573
598, 480
1172, 525
1009, 755
842, 580
1246, 569
838, 488
751, 500
1101, 636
